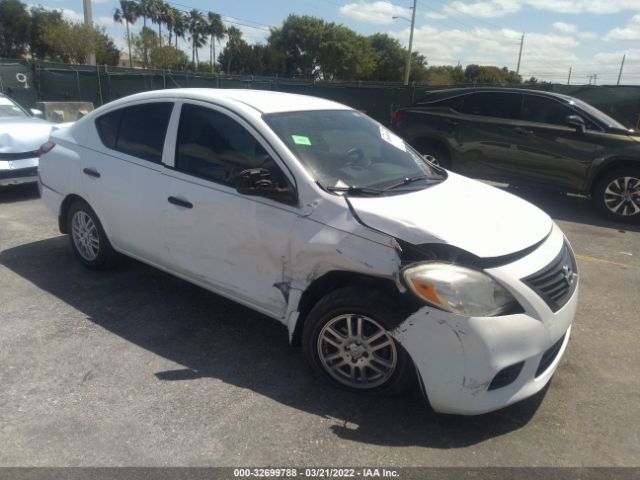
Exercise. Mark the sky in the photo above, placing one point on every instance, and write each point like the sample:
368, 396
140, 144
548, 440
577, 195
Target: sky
588, 36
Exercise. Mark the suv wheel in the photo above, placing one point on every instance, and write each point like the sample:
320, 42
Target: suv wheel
618, 194
346, 341
88, 240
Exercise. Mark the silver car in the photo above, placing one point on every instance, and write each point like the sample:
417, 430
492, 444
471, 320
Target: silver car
21, 134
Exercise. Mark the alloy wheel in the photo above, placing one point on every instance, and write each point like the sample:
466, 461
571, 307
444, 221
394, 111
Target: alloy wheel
622, 196
357, 351
85, 235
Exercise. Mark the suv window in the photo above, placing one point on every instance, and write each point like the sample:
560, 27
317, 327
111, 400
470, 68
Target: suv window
544, 110
213, 146
454, 103
138, 130
492, 104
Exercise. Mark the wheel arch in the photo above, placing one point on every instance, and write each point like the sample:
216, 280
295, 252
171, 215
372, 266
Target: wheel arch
335, 280
610, 165
64, 210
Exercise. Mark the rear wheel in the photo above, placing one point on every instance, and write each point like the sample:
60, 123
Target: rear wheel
347, 341
88, 240
617, 194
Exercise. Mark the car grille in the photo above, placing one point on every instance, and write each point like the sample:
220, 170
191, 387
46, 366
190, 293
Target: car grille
556, 282
549, 356
19, 172
19, 156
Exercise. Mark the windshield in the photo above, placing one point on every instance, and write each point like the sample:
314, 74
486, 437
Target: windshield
345, 149
598, 115
10, 109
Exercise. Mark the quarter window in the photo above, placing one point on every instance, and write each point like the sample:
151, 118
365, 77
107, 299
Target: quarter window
138, 130
213, 146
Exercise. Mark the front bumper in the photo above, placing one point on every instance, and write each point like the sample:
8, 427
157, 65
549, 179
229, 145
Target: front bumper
15, 172
458, 357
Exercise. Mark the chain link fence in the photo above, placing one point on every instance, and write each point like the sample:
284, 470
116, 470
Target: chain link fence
28, 82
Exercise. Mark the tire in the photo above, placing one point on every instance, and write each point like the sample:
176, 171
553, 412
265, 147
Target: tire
395, 370
439, 152
88, 239
617, 194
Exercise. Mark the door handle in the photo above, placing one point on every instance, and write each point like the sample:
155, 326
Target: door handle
91, 172
180, 202
522, 131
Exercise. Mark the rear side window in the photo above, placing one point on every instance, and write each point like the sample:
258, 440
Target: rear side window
493, 104
138, 131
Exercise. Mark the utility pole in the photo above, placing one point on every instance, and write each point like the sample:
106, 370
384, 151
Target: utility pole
520, 54
621, 67
407, 68
569, 79
88, 22
595, 78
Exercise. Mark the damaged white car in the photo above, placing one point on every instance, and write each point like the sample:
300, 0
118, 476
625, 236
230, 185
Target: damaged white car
21, 134
381, 264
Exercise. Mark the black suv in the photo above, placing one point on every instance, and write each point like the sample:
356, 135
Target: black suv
529, 137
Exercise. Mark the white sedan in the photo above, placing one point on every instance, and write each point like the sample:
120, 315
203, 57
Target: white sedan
21, 134
385, 267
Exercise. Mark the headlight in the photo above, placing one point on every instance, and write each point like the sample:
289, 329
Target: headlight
458, 289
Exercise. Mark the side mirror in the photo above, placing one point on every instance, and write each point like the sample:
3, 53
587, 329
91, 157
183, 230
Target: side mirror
255, 181
258, 182
577, 122
37, 113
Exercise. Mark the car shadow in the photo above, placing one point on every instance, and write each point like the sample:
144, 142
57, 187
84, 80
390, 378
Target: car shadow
214, 337
570, 208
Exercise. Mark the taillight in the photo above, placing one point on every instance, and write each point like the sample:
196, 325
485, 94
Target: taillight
45, 147
398, 117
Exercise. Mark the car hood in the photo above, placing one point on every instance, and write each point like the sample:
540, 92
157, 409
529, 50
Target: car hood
19, 135
473, 216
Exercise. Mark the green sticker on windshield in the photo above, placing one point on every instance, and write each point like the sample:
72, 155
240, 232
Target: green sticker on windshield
300, 140
15, 109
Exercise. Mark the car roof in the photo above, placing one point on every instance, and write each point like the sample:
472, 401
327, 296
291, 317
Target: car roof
262, 100
435, 95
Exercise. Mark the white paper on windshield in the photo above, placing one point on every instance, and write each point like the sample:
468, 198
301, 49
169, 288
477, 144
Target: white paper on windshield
5, 101
392, 138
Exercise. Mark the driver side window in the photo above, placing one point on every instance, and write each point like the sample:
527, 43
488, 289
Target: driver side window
213, 146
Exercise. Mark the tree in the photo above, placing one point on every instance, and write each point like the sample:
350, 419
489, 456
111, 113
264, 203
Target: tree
128, 12
490, 75
196, 26
15, 26
216, 30
390, 58
179, 25
73, 42
42, 18
299, 40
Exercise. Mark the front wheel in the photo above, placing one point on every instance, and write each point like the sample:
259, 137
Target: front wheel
617, 194
347, 341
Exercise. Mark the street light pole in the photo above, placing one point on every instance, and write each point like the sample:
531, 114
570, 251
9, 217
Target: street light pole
88, 22
407, 68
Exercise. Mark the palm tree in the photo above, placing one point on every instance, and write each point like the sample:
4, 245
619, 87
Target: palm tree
234, 35
144, 10
197, 28
216, 30
180, 23
170, 20
128, 12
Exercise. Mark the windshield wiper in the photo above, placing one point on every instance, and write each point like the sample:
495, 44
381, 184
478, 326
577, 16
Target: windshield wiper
408, 180
355, 189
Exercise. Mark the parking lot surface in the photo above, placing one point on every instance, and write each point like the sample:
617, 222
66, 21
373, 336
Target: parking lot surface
135, 367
